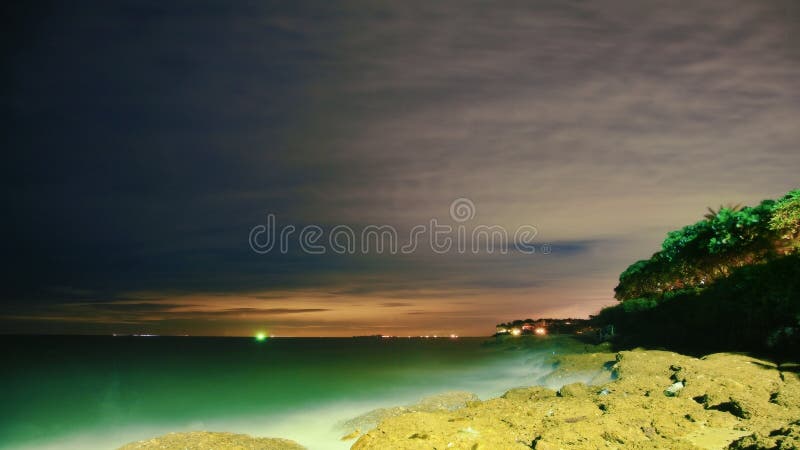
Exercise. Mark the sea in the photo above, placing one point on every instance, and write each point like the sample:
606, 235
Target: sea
100, 392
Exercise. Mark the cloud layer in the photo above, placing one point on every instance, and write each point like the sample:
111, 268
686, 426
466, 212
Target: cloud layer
146, 140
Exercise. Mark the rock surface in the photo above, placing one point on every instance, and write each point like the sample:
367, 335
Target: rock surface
726, 401
786, 438
204, 440
447, 401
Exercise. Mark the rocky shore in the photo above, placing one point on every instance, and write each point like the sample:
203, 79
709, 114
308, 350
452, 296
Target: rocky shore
640, 399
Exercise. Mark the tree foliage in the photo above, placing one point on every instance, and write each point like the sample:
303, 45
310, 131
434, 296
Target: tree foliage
729, 282
711, 213
731, 237
756, 308
785, 220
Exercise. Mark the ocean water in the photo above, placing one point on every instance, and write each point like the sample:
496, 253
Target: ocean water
70, 392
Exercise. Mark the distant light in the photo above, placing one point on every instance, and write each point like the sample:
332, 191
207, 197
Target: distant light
261, 337
540, 331
516, 331
453, 336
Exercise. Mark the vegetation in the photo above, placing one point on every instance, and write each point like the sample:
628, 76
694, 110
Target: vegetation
785, 220
730, 281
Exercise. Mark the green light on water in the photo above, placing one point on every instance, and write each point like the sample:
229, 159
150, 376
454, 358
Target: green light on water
261, 337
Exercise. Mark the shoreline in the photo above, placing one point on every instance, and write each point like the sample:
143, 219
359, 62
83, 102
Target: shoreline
658, 399
633, 399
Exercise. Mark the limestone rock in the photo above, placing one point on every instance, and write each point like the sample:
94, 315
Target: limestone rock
574, 390
447, 401
724, 397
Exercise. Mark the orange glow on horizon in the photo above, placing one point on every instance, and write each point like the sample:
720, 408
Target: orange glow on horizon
311, 313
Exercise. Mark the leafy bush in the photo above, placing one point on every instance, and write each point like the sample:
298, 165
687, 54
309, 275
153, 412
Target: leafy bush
639, 304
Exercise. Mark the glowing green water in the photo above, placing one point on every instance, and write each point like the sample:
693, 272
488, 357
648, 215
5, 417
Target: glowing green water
100, 392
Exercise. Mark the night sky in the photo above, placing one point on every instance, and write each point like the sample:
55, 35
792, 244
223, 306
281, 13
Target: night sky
144, 140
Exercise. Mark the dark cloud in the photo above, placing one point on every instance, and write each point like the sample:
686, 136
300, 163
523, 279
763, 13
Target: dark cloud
271, 311
141, 307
